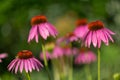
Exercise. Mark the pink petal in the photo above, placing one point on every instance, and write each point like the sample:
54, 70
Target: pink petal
102, 36
32, 65
32, 33
26, 65
90, 38
12, 64
43, 31
17, 65
21, 66
98, 39
94, 39
29, 65
109, 31
52, 30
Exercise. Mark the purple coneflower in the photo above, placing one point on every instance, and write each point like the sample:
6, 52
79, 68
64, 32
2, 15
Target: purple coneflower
41, 27
57, 52
48, 56
70, 37
97, 33
81, 28
3, 55
85, 57
24, 61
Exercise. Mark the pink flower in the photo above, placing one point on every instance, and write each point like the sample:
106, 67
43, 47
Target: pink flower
3, 55
57, 52
48, 56
81, 29
41, 27
70, 37
24, 61
85, 57
97, 33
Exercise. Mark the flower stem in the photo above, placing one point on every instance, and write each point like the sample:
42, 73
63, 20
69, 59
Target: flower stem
28, 76
98, 64
44, 56
45, 61
70, 76
87, 70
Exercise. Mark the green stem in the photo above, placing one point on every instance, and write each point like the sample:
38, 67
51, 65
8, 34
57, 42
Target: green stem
45, 62
70, 76
44, 56
28, 76
98, 64
87, 70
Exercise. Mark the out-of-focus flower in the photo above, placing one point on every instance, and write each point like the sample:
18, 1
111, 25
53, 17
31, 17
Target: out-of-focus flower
24, 61
97, 33
81, 28
48, 56
3, 55
41, 27
57, 52
85, 57
70, 37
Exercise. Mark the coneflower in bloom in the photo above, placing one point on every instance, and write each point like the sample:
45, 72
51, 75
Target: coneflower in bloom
81, 28
97, 33
3, 55
24, 61
85, 57
70, 37
48, 55
40, 26
57, 52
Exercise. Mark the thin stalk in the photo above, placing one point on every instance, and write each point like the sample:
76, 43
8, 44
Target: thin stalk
45, 62
98, 64
87, 70
44, 56
27, 75
70, 74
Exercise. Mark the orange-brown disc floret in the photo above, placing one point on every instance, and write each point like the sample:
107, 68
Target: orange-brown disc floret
81, 22
95, 25
38, 19
24, 54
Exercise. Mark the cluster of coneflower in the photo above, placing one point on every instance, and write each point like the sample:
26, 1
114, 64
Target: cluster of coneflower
62, 51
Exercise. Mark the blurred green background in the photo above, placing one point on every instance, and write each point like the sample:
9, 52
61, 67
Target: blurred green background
15, 18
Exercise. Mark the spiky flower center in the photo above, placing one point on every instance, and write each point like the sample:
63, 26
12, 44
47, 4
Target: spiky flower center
81, 22
95, 25
38, 19
24, 54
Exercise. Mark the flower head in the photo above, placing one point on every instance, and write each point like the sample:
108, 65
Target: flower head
81, 28
40, 26
97, 33
48, 56
3, 55
70, 37
24, 61
85, 56
57, 52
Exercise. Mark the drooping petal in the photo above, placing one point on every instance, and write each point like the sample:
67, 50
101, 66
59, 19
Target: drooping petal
109, 36
12, 64
98, 39
43, 31
21, 65
52, 30
32, 33
29, 65
17, 66
109, 31
26, 66
94, 39
90, 38
102, 37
